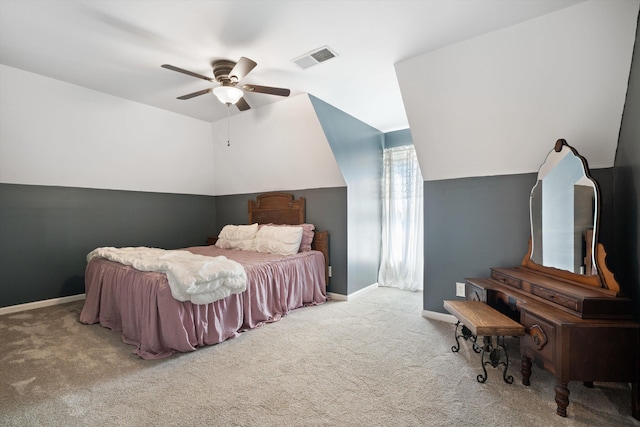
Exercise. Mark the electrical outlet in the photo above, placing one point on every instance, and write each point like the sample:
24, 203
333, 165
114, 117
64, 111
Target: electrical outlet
460, 289
329, 271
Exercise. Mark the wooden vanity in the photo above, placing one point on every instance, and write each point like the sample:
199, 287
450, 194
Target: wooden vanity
578, 324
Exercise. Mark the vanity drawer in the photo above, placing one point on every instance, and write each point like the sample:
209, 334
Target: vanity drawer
539, 340
556, 297
507, 280
474, 292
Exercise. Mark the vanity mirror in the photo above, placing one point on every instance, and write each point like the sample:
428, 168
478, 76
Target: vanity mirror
564, 214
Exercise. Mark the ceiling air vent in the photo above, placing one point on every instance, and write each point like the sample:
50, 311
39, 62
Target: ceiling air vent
314, 57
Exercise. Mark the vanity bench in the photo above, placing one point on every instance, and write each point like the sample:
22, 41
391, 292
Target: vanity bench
475, 318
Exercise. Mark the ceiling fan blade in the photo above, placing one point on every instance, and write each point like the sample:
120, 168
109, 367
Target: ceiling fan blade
242, 68
267, 89
242, 105
194, 94
187, 72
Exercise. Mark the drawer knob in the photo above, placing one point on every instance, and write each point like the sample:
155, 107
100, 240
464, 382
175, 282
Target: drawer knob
538, 336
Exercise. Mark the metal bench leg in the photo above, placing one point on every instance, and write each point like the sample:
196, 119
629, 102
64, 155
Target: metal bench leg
496, 351
467, 335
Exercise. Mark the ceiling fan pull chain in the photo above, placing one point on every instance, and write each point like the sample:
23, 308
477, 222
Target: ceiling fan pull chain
228, 108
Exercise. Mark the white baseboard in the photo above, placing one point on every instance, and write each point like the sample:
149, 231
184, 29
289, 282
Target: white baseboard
442, 317
340, 297
40, 304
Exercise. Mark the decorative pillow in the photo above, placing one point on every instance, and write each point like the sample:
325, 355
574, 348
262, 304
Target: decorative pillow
281, 239
307, 237
241, 237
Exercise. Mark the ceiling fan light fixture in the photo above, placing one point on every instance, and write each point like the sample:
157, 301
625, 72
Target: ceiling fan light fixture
228, 94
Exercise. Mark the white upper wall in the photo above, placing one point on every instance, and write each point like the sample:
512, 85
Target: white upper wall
58, 134
495, 104
280, 146
55, 133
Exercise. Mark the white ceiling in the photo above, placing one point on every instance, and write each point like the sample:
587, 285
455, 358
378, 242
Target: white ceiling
117, 47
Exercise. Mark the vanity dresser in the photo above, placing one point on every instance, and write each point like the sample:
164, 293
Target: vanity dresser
578, 324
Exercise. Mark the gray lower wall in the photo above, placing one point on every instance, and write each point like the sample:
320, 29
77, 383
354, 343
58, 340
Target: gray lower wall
46, 233
473, 224
326, 209
626, 257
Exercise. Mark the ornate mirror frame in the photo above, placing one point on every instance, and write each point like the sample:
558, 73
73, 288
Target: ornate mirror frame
603, 277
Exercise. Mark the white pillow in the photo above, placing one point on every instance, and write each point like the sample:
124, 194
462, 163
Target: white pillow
279, 240
241, 237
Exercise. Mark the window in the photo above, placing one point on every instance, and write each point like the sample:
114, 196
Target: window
401, 263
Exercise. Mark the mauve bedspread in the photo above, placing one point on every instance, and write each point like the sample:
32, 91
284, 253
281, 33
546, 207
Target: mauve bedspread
141, 306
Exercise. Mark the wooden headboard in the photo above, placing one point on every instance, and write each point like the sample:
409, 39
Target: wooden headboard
281, 208
277, 208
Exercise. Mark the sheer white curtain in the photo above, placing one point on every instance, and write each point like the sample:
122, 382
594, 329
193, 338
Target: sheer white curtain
401, 264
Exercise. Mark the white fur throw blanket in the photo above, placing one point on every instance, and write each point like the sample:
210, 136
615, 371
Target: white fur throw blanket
196, 278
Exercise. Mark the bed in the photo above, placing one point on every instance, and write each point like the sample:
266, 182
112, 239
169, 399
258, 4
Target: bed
142, 306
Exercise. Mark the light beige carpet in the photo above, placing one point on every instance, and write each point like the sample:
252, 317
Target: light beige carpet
372, 361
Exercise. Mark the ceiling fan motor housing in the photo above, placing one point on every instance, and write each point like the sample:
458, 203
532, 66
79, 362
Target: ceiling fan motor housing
221, 70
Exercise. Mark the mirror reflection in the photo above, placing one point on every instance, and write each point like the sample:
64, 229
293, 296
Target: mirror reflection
563, 207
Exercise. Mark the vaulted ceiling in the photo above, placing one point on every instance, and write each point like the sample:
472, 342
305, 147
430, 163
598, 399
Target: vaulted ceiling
117, 47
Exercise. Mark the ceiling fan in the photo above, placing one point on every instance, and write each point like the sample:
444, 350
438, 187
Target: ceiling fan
228, 74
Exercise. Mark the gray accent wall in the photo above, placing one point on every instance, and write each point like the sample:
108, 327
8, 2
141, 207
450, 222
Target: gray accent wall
46, 233
398, 138
326, 209
357, 148
473, 224
625, 256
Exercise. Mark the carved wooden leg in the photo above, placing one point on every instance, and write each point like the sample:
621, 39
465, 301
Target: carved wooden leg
635, 400
562, 398
525, 370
